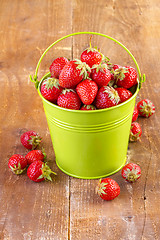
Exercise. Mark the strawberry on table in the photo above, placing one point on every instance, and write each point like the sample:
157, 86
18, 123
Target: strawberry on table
135, 114
39, 171
131, 172
57, 66
108, 189
30, 139
35, 155
88, 107
125, 77
100, 74
135, 132
106, 97
145, 108
17, 163
73, 73
87, 91
50, 89
124, 94
91, 56
69, 99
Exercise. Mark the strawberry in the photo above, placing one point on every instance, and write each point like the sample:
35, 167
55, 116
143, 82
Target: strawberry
73, 73
135, 114
69, 99
145, 108
50, 89
39, 171
108, 189
35, 155
131, 172
91, 56
116, 66
106, 97
30, 139
135, 132
57, 66
17, 163
87, 91
88, 107
125, 77
101, 75
112, 70
124, 94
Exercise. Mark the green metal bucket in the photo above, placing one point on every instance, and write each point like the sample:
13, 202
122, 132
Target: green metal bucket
89, 144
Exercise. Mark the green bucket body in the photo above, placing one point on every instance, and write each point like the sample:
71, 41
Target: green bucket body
90, 144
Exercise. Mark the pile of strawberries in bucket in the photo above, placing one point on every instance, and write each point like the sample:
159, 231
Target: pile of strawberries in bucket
86, 84
94, 83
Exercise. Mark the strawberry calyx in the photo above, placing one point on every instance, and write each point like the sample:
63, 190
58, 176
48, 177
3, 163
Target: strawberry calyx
134, 137
131, 175
44, 153
101, 187
34, 141
51, 82
147, 108
112, 83
119, 73
100, 67
110, 66
112, 93
17, 170
66, 90
46, 171
89, 107
106, 60
84, 67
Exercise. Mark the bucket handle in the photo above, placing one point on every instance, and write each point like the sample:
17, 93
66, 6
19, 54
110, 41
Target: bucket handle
35, 78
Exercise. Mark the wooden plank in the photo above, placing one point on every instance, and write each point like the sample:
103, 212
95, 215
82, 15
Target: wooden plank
29, 210
69, 208
135, 213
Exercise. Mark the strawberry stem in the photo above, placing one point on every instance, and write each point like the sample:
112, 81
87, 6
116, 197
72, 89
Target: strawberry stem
90, 45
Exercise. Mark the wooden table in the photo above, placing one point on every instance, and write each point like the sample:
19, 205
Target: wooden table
68, 208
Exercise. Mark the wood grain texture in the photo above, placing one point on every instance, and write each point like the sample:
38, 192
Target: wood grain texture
29, 210
69, 208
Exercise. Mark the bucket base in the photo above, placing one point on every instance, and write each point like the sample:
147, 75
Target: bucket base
90, 177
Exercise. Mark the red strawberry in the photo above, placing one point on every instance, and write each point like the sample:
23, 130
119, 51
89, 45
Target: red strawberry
88, 107
146, 108
135, 132
57, 66
116, 66
73, 73
112, 70
131, 172
135, 114
50, 89
108, 189
101, 75
30, 139
39, 171
87, 91
124, 94
126, 77
91, 56
106, 97
35, 155
17, 163
69, 99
